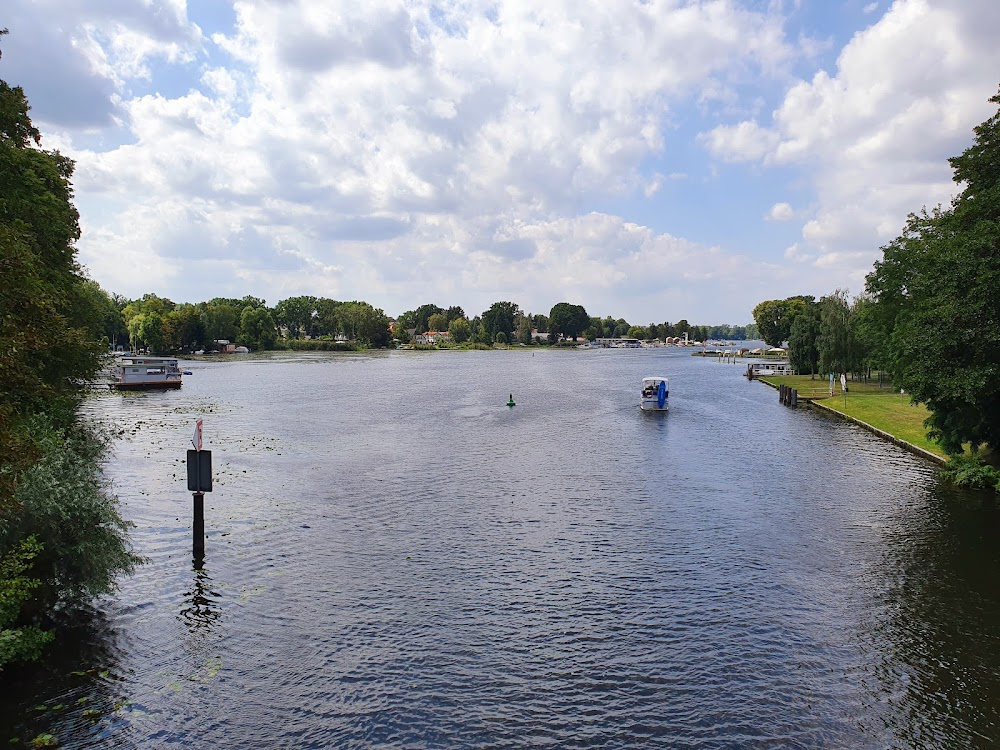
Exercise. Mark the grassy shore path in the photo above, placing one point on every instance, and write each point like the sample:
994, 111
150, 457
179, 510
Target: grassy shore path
887, 413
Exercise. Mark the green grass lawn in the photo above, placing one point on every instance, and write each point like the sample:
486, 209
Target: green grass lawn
885, 409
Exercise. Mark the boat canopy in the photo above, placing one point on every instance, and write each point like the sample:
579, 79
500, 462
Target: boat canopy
653, 379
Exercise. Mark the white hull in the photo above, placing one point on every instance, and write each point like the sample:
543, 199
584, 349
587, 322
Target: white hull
653, 405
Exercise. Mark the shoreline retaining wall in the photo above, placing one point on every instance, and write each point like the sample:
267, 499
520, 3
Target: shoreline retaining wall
916, 450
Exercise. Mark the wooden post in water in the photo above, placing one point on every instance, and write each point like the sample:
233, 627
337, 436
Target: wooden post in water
795, 397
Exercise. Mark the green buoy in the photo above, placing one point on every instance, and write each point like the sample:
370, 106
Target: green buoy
510, 401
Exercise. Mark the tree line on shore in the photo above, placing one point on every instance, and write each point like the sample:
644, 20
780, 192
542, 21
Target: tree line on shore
929, 316
162, 326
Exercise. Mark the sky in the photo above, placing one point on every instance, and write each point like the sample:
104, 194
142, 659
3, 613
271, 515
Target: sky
648, 159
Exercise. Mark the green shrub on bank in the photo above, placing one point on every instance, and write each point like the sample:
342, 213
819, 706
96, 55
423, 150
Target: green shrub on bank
19, 642
317, 345
64, 503
64, 540
972, 471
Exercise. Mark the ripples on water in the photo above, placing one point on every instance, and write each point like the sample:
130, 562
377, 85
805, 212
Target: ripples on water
396, 559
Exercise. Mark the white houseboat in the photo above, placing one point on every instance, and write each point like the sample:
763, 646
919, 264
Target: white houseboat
137, 373
655, 394
756, 369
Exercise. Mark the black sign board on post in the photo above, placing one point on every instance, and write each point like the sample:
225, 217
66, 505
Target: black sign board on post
199, 466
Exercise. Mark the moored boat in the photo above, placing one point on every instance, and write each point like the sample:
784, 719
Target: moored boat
655, 394
140, 373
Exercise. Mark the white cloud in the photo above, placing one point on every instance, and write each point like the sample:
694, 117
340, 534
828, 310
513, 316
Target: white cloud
401, 152
347, 137
746, 141
780, 212
876, 134
870, 8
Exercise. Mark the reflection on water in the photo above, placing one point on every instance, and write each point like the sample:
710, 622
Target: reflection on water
940, 622
202, 608
395, 558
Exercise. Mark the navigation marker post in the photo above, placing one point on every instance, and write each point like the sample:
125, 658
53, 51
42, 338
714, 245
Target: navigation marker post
199, 476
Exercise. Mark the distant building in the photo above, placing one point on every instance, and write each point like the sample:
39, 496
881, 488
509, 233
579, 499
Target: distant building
432, 337
620, 342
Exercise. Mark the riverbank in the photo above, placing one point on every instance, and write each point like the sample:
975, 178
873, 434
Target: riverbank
882, 411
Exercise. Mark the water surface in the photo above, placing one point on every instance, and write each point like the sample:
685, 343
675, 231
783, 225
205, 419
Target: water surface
396, 559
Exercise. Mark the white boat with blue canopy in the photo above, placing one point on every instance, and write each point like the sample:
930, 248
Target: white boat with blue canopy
655, 394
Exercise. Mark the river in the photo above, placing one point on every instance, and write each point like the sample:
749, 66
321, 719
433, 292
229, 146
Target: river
397, 559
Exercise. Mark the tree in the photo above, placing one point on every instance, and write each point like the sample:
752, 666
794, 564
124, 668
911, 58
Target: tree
938, 290
257, 329
365, 324
476, 329
569, 320
437, 322
151, 332
45, 349
15, 125
803, 340
774, 318
401, 334
105, 321
522, 329
500, 319
184, 329
420, 318
221, 321
296, 315
55, 514
327, 320
869, 339
459, 330
836, 338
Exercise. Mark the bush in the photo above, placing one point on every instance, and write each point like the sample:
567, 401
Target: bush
24, 642
64, 504
318, 345
972, 471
